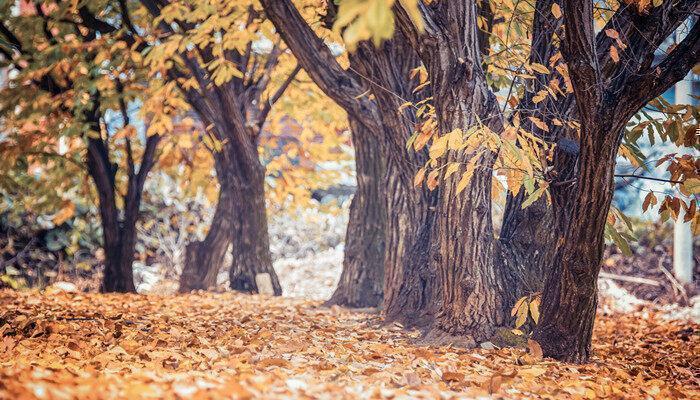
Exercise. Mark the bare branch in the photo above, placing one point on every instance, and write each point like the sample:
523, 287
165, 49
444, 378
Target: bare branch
316, 59
276, 96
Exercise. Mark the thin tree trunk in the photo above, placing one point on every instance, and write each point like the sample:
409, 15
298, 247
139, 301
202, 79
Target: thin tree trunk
204, 259
361, 282
118, 274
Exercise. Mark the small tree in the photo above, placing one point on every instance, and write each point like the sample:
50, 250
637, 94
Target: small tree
64, 84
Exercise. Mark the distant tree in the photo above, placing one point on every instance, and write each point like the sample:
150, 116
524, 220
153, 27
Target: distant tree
67, 80
232, 70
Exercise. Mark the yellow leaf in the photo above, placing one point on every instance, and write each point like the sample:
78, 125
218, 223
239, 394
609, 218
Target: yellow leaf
419, 177
541, 95
439, 147
67, 211
433, 179
517, 305
556, 10
535, 309
467, 175
614, 54
451, 169
521, 317
454, 139
539, 68
405, 105
539, 123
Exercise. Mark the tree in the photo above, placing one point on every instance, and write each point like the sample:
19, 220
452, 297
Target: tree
64, 86
383, 72
604, 108
229, 84
362, 278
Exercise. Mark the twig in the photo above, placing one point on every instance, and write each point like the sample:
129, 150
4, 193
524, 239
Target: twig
633, 279
674, 282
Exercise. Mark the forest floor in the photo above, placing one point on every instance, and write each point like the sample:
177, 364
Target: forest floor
57, 345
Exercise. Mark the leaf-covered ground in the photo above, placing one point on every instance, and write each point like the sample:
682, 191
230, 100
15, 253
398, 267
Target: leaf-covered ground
62, 345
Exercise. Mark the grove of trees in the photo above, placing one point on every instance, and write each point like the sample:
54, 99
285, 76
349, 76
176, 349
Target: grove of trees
452, 106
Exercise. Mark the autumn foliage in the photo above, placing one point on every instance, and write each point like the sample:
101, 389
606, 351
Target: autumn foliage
484, 144
62, 345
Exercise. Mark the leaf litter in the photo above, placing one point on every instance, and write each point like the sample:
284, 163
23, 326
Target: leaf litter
57, 345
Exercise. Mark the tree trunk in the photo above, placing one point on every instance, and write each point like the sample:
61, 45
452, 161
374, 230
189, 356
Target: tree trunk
530, 236
204, 259
570, 293
473, 289
361, 282
117, 241
119, 257
409, 284
250, 238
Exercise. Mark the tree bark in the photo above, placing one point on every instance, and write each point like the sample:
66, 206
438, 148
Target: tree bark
119, 237
361, 282
250, 238
473, 289
409, 284
204, 259
240, 220
570, 296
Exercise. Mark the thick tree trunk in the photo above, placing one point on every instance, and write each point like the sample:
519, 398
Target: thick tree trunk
473, 289
361, 282
204, 259
530, 236
570, 293
250, 238
409, 284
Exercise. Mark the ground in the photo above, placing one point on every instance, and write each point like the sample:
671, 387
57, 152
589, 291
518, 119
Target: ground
58, 345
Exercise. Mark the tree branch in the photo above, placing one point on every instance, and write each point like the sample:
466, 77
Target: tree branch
655, 81
276, 96
579, 51
316, 59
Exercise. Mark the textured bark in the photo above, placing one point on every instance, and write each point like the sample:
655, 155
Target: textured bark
250, 238
408, 283
529, 236
235, 113
361, 282
204, 259
473, 290
570, 296
570, 293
